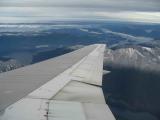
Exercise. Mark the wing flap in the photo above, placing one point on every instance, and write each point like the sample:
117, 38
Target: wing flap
97, 112
80, 92
26, 109
64, 110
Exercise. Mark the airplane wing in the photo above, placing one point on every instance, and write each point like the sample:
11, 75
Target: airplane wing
67, 87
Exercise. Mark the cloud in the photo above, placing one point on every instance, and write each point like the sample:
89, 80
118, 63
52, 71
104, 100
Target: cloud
91, 32
40, 10
41, 46
149, 17
129, 37
146, 5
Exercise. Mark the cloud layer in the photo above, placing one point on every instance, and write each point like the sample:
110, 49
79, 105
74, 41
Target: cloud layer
141, 5
40, 10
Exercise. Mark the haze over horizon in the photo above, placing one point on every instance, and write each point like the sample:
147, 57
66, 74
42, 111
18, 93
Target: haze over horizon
18, 11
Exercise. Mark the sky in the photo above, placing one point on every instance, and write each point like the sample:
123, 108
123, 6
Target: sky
13, 11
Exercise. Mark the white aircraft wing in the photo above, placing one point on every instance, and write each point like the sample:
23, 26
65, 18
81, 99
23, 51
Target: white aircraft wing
67, 87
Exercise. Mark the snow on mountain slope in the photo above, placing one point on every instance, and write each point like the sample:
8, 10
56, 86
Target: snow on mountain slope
138, 57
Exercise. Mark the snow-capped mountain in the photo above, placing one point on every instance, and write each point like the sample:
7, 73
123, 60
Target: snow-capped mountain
9, 65
138, 57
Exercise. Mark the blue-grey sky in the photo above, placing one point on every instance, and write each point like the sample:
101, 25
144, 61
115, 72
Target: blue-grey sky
48, 10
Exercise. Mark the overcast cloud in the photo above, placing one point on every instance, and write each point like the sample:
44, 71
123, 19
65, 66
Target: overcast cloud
48, 10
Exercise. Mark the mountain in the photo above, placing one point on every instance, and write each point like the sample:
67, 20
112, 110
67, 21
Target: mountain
131, 86
9, 65
140, 57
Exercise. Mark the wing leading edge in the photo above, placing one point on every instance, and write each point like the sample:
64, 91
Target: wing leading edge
74, 94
